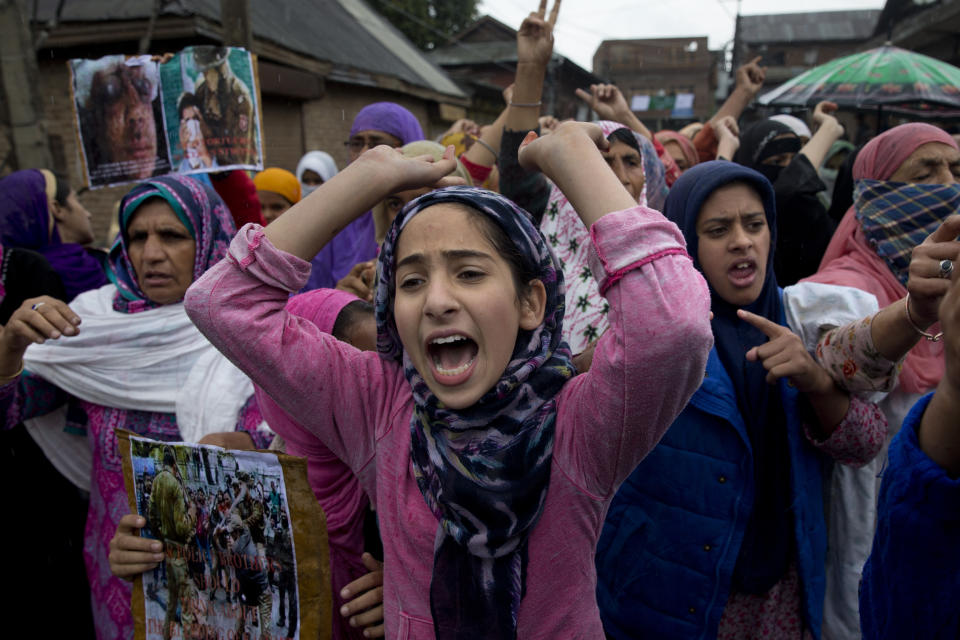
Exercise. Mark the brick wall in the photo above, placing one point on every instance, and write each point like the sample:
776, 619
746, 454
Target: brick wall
282, 132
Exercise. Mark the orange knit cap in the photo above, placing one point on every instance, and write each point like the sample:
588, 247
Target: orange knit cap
278, 181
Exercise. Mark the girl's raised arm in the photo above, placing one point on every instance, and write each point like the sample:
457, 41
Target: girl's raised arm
571, 158
311, 223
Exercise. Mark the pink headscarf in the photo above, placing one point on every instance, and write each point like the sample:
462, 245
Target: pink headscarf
852, 262
690, 152
336, 487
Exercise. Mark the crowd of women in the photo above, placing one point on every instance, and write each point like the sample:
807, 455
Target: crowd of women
566, 380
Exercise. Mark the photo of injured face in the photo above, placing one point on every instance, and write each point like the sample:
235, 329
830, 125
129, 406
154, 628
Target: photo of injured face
120, 119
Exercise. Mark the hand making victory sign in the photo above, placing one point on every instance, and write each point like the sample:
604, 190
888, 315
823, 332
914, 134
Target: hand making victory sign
535, 38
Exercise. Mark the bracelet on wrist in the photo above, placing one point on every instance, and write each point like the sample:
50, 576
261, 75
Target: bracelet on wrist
526, 104
929, 336
6, 379
496, 156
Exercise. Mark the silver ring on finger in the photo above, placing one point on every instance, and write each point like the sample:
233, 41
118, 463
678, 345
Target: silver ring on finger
946, 268
40, 304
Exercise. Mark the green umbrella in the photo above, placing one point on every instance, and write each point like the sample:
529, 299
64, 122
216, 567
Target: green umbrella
883, 77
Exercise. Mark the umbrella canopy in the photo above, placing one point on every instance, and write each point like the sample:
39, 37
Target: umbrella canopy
887, 76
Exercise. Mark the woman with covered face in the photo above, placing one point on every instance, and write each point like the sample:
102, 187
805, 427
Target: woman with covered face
59, 363
897, 242
719, 532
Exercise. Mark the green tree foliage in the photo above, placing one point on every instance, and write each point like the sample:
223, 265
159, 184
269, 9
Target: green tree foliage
428, 23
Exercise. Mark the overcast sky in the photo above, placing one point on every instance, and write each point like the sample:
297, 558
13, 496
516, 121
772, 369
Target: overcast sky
584, 24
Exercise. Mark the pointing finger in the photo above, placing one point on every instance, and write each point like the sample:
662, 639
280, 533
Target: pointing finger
583, 95
770, 329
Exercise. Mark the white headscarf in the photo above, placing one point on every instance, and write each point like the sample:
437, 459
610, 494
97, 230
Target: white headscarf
154, 360
796, 125
318, 161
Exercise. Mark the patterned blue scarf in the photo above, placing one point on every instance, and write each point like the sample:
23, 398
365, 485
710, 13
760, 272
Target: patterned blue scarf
200, 210
897, 216
483, 471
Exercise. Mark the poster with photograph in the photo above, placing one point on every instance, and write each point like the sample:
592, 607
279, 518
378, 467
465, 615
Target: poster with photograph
119, 114
211, 110
243, 558
196, 111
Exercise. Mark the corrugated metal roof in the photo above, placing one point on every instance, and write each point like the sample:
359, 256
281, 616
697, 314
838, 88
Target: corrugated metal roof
809, 27
474, 53
344, 32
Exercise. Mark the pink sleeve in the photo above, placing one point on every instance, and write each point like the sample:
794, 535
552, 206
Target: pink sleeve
858, 438
648, 363
332, 389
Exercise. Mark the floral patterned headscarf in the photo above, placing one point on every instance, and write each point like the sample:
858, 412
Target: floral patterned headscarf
483, 470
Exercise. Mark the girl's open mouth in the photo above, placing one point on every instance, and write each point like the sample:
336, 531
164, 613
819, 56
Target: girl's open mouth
452, 358
743, 273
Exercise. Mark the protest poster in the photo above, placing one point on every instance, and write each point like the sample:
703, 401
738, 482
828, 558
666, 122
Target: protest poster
192, 112
245, 546
119, 115
211, 109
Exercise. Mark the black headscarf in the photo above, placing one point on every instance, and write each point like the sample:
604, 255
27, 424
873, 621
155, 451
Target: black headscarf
758, 142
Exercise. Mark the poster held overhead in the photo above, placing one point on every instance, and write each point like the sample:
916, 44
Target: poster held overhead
197, 111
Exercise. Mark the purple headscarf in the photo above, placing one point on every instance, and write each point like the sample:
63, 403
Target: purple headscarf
390, 118
25, 224
357, 242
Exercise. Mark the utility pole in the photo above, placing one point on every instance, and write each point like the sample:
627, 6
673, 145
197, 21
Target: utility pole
237, 26
18, 68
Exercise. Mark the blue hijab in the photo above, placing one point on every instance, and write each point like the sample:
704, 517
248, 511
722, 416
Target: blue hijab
483, 470
767, 544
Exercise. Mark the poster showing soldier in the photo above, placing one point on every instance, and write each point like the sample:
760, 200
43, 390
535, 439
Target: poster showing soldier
226, 521
211, 109
119, 110
194, 111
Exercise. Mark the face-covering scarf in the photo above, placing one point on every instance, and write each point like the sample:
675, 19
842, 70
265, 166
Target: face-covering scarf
586, 317
321, 163
758, 142
200, 210
850, 259
897, 216
25, 224
767, 544
483, 471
